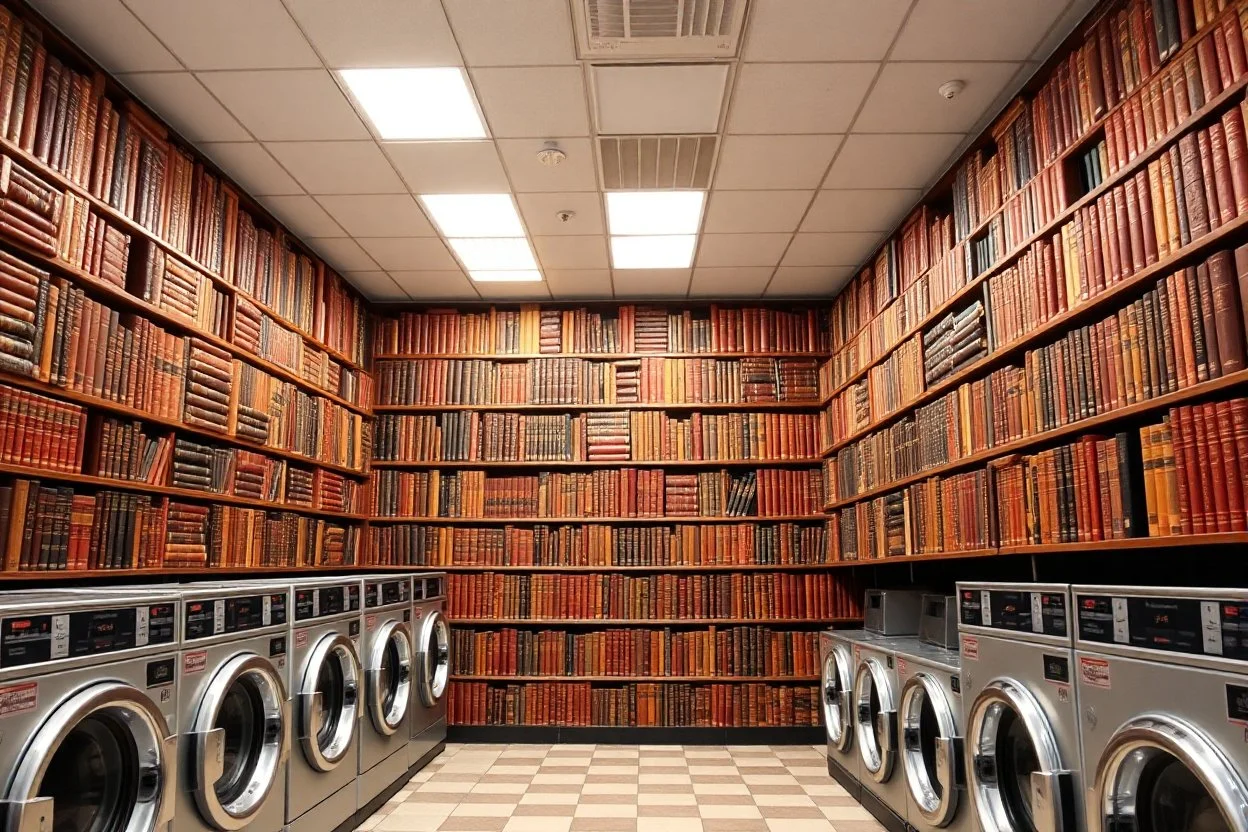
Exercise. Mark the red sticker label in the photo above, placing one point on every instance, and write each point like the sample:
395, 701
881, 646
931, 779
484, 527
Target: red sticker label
195, 662
15, 699
301, 638
370, 622
901, 665
970, 648
1094, 672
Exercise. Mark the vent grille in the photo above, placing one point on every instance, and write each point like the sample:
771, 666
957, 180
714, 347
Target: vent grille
638, 19
631, 163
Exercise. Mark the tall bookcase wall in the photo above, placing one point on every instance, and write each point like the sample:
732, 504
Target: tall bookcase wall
182, 385
628, 502
1050, 352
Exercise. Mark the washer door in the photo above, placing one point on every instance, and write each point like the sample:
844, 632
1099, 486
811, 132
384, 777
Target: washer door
239, 740
875, 718
103, 761
329, 701
433, 663
1017, 778
1158, 773
389, 677
838, 682
931, 749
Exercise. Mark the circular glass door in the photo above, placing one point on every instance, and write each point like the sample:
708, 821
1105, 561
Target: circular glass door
435, 656
239, 741
101, 762
875, 718
329, 701
1162, 774
389, 677
837, 684
930, 748
1014, 759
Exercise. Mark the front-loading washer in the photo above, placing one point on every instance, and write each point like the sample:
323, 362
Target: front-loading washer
433, 667
388, 656
836, 657
876, 698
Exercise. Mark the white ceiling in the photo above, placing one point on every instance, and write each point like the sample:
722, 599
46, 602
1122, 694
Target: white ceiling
831, 127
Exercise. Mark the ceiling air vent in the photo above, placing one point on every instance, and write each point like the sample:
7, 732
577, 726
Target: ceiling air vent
648, 29
631, 163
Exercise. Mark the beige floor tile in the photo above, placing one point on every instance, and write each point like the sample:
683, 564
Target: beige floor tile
550, 799
483, 810
604, 825
668, 812
669, 825
501, 788
667, 799
558, 778
783, 799
836, 813
609, 788
545, 810
664, 778
538, 824
722, 810
409, 823
473, 825
799, 825
606, 810
734, 825
720, 788
421, 808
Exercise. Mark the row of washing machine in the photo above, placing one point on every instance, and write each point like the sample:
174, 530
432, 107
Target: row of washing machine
265, 705
1048, 708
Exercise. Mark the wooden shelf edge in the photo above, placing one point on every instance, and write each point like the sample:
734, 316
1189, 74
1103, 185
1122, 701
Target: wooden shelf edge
590, 407
466, 677
564, 521
175, 574
720, 567
640, 622
590, 356
812, 461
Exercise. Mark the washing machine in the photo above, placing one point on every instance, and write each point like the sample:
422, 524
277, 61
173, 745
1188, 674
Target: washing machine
930, 726
234, 709
89, 708
326, 688
432, 678
388, 655
1163, 689
1021, 714
836, 657
876, 697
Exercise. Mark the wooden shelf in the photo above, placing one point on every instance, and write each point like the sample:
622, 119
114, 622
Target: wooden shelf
590, 356
174, 574
572, 521
638, 622
634, 463
168, 491
586, 408
1162, 402
698, 568
134, 228
175, 424
624, 680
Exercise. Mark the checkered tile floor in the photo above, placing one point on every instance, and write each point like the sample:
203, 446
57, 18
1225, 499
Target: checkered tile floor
624, 788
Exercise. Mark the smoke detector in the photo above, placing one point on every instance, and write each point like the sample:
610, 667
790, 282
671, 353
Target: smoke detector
551, 155
951, 89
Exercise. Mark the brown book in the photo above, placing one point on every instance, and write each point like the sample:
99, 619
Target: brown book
1213, 360
1227, 315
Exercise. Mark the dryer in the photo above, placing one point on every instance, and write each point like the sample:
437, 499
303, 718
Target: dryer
1020, 706
325, 681
388, 655
1163, 690
433, 659
876, 697
89, 700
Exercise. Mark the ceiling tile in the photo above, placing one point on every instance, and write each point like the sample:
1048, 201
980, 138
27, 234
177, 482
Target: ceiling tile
730, 283
507, 33
659, 100
303, 216
1074, 12
846, 248
252, 167
652, 283
860, 210
974, 30
571, 252
407, 253
905, 100
338, 167
741, 249
575, 173
822, 30
733, 212
891, 161
541, 213
227, 34
110, 33
808, 281
295, 105
532, 102
448, 167
379, 215
377, 286
182, 101
780, 162
798, 98
574, 284
502, 290
343, 253
376, 33
436, 285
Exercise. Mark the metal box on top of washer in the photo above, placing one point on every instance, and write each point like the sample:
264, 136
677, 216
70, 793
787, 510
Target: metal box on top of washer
433, 655
325, 682
1020, 706
1163, 689
89, 698
388, 655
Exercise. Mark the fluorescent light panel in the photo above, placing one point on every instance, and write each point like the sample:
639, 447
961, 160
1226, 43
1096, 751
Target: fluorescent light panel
474, 215
654, 212
667, 251
514, 276
494, 254
416, 103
